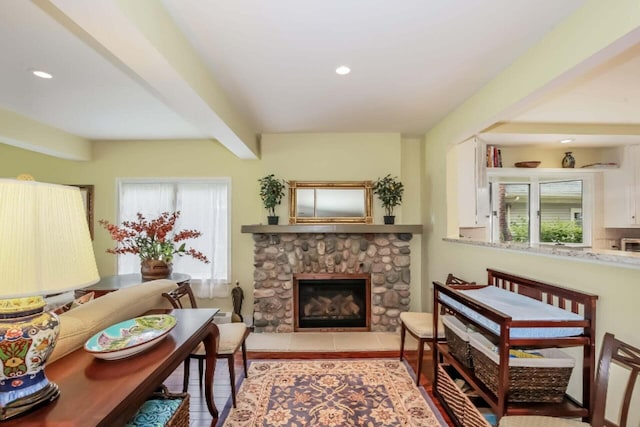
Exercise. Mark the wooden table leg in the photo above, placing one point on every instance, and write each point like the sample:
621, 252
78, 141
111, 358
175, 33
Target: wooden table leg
211, 341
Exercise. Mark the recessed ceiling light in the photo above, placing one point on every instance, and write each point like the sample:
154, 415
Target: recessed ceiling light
42, 74
343, 70
566, 141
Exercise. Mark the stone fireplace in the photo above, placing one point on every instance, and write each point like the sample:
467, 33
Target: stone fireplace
282, 257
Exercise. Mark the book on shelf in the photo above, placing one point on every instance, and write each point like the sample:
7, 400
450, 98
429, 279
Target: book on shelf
494, 157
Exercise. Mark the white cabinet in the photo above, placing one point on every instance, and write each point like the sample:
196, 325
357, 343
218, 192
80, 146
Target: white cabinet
622, 191
473, 189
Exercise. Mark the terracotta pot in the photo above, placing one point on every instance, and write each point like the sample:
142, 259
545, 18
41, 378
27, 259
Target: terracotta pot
152, 269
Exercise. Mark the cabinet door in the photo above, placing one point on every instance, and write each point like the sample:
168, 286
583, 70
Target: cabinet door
621, 191
634, 199
472, 200
466, 184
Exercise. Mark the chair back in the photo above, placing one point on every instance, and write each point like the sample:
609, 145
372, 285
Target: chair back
453, 280
177, 296
626, 356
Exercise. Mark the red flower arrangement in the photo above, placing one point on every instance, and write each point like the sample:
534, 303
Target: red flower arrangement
152, 239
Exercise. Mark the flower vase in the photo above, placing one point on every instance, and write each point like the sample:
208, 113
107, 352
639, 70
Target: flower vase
152, 269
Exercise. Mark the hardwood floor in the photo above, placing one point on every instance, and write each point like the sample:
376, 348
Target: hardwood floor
200, 417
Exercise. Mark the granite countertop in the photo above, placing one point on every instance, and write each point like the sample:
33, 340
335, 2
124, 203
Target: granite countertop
607, 256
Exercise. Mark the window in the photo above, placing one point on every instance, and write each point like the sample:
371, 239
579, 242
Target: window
541, 210
204, 206
511, 214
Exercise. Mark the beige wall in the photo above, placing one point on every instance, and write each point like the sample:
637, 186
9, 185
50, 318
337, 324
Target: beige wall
133, 159
618, 287
291, 156
353, 157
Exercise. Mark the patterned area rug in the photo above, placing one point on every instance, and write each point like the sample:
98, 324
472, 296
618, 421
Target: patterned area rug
331, 393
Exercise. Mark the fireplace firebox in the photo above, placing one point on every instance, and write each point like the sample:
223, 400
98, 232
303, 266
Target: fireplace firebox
332, 302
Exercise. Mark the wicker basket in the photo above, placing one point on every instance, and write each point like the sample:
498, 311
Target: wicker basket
473, 417
458, 340
460, 407
542, 379
179, 418
451, 394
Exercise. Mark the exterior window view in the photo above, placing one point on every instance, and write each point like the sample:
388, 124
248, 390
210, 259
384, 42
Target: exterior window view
548, 212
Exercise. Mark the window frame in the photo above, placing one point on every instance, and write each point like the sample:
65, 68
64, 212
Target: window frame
177, 180
534, 181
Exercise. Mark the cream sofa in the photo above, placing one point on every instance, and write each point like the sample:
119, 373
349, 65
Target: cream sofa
81, 323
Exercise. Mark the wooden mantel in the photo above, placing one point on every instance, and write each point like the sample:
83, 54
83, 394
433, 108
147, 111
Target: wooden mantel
333, 228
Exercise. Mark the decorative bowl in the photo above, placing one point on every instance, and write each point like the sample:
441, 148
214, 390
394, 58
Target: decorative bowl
130, 337
529, 164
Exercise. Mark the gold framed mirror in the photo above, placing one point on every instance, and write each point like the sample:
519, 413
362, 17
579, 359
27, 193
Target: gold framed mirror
321, 202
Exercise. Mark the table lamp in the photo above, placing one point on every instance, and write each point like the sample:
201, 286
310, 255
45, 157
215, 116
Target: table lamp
45, 248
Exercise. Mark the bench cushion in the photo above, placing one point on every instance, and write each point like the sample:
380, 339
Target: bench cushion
421, 324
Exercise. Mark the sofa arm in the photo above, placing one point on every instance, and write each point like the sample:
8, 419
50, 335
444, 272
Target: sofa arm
81, 323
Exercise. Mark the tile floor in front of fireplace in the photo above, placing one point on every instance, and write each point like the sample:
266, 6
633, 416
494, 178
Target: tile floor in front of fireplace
327, 342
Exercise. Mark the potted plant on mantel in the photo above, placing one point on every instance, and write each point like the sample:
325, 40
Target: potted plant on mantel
389, 190
271, 193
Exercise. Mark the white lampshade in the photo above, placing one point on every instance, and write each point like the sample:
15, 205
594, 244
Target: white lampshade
45, 246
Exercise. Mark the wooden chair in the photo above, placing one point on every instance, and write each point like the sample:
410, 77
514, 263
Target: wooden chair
612, 350
420, 326
232, 337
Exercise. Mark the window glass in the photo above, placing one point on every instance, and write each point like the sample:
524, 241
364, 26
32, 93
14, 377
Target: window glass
561, 212
203, 206
542, 210
511, 213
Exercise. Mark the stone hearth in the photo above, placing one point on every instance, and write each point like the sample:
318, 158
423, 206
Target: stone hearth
278, 256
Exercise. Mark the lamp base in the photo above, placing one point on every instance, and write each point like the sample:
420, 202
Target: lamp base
42, 397
27, 338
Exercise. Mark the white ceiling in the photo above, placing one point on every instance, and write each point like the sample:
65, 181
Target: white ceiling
88, 96
609, 93
412, 61
603, 104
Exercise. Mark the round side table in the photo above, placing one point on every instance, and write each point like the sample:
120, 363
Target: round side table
113, 283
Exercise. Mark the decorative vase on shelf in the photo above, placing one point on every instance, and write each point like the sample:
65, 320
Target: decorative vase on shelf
568, 161
389, 219
152, 269
272, 220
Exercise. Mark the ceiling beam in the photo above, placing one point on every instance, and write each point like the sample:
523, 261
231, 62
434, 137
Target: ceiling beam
141, 39
28, 134
564, 128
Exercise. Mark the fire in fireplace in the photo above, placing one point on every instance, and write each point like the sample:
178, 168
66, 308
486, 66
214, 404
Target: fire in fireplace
334, 302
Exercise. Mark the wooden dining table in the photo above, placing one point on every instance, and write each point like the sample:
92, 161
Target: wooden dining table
97, 392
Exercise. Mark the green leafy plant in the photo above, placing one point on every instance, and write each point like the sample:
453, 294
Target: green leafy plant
550, 231
561, 231
271, 192
389, 190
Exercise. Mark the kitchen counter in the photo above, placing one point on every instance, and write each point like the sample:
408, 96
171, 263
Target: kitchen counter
606, 256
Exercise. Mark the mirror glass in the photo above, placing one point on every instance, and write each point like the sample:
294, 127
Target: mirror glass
340, 203
327, 202
305, 198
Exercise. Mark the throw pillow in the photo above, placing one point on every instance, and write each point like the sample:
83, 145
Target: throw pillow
81, 300
75, 303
